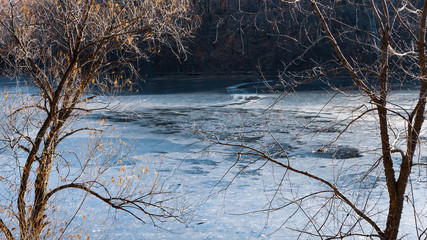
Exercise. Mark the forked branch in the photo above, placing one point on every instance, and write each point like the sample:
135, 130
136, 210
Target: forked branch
333, 187
123, 204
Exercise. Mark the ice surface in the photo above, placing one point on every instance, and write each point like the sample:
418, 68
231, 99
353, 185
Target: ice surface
222, 195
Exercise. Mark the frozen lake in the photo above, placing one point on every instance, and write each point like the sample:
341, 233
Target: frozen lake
222, 196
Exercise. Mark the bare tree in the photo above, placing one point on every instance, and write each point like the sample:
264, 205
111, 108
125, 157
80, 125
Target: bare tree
71, 51
378, 44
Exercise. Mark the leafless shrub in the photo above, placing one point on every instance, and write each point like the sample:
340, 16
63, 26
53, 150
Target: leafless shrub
71, 51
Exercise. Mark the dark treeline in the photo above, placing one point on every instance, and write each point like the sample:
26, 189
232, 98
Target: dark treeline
249, 36
252, 36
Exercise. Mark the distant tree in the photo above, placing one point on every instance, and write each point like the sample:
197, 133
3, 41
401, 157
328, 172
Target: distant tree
71, 51
378, 44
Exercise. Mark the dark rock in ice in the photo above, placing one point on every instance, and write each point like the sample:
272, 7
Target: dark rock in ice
338, 152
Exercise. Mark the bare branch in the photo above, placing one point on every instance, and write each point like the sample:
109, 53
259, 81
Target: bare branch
359, 82
118, 203
7, 233
258, 153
